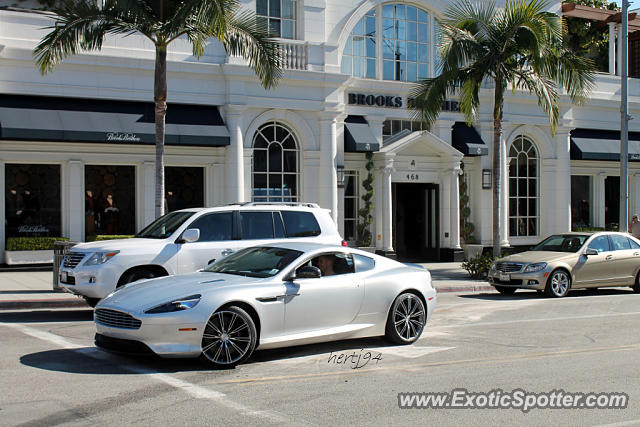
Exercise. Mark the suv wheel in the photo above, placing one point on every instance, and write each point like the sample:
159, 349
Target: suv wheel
136, 275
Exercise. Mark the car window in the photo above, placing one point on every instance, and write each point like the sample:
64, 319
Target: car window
634, 244
300, 224
164, 226
278, 225
332, 264
620, 243
256, 225
363, 263
600, 244
561, 243
214, 227
255, 262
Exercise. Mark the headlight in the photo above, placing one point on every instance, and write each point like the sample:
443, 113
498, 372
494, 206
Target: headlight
100, 257
532, 268
176, 305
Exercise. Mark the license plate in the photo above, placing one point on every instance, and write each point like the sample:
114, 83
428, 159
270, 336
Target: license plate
504, 277
63, 276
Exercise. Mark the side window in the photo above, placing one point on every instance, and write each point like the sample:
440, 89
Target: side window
333, 264
363, 263
620, 243
634, 244
278, 225
600, 244
256, 225
300, 224
214, 227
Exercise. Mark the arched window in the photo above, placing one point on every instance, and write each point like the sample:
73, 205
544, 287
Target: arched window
275, 164
391, 42
523, 188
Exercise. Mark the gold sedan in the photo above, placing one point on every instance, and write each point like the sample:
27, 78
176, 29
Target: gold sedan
571, 261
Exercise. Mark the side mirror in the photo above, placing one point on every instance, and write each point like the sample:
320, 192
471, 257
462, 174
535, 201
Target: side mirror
590, 251
308, 272
190, 235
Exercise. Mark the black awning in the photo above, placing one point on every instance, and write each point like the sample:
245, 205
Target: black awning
41, 118
597, 144
358, 137
467, 140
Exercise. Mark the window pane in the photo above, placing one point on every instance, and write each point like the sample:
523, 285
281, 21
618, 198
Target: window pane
275, 158
300, 224
422, 16
388, 29
412, 72
260, 181
512, 206
371, 68
532, 207
274, 27
290, 161
256, 225
371, 27
412, 31
401, 32
401, 51
274, 8
290, 185
289, 9
214, 227
288, 29
423, 33
358, 46
359, 28
533, 226
412, 52
371, 47
387, 70
423, 53
261, 7
411, 13
345, 66
522, 187
513, 227
401, 71
400, 14
423, 71
278, 225
388, 49
533, 187
358, 66
387, 11
260, 160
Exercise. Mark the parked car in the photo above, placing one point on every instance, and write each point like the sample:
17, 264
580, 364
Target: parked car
570, 261
188, 240
268, 296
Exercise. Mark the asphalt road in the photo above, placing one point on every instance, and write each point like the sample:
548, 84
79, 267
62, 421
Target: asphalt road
51, 374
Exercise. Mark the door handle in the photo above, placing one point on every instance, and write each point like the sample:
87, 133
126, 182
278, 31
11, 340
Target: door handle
226, 252
609, 257
636, 253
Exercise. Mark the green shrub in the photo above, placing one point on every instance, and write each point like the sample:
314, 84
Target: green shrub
100, 237
478, 267
32, 243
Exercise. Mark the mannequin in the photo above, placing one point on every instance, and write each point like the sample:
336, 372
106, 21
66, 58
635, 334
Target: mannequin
111, 215
89, 213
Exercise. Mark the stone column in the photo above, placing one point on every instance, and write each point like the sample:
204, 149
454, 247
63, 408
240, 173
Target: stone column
562, 212
612, 48
504, 195
378, 204
327, 180
598, 208
387, 207
455, 206
235, 156
445, 208
75, 200
148, 189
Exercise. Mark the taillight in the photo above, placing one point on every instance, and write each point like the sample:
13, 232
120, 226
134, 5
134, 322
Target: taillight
344, 243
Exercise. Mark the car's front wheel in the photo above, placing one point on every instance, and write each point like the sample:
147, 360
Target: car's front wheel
229, 337
135, 275
504, 290
558, 284
636, 284
406, 319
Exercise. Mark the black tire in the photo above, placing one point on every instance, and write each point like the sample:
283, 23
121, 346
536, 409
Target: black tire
406, 320
229, 338
135, 275
92, 302
636, 285
505, 290
558, 284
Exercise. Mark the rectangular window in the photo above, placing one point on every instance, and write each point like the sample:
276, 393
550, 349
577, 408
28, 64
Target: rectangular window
109, 199
300, 224
351, 204
256, 225
279, 15
214, 227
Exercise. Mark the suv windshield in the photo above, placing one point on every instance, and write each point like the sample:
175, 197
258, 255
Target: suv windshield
561, 243
164, 226
255, 262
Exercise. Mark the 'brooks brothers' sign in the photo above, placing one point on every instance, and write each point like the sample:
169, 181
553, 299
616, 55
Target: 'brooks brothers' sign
375, 100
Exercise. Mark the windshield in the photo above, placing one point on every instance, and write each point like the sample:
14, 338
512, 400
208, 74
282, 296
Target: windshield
561, 243
164, 226
255, 262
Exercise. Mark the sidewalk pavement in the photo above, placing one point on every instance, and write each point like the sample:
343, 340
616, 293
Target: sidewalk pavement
34, 289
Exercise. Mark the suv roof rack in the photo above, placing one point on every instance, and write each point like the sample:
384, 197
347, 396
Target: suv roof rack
303, 204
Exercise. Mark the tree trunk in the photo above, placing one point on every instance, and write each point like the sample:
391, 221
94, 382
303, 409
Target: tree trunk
160, 99
497, 165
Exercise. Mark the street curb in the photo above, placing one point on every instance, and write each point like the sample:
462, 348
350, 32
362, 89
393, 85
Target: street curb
42, 303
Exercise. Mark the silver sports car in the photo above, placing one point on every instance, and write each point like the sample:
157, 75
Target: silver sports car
267, 297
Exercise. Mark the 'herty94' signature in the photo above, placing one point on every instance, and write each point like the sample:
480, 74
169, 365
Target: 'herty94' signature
357, 359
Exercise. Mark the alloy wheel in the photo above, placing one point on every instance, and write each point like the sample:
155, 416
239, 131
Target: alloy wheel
408, 317
559, 283
227, 337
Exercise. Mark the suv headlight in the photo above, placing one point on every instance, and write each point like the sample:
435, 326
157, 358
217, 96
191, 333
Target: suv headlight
176, 305
100, 257
532, 268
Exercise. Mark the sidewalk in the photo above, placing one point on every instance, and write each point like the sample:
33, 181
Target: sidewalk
34, 289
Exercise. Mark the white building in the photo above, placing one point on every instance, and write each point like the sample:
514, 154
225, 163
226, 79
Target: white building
88, 127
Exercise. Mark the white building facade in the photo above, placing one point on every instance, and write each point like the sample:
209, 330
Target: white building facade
77, 154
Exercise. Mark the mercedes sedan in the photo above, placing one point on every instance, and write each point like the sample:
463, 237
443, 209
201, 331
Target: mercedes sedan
267, 297
571, 261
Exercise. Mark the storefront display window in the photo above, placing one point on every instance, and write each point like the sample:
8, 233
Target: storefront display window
109, 200
184, 188
32, 200
523, 188
581, 201
351, 204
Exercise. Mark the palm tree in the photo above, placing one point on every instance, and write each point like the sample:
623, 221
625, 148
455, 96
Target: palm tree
520, 45
80, 25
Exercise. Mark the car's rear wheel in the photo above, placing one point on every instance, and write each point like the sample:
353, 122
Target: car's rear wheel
135, 275
558, 284
406, 319
229, 338
504, 290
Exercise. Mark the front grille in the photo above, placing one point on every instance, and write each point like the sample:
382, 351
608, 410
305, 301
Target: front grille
116, 319
119, 345
72, 259
509, 267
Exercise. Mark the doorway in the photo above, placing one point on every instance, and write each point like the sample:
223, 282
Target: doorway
416, 231
611, 202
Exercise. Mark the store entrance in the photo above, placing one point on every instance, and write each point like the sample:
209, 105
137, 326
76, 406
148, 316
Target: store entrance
416, 222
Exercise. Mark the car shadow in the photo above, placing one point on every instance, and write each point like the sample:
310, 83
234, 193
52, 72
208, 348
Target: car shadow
527, 294
43, 316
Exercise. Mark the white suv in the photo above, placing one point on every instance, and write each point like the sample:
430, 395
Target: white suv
188, 240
